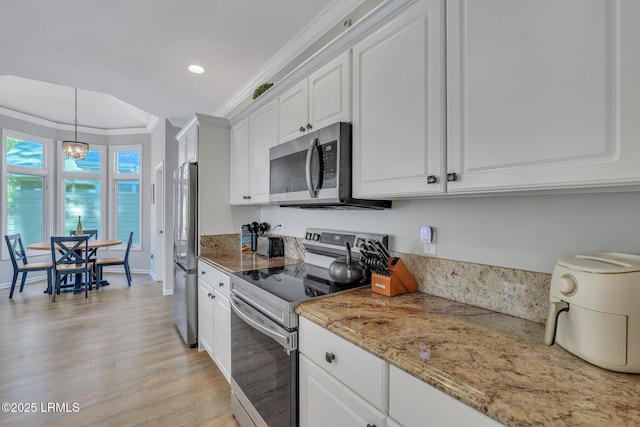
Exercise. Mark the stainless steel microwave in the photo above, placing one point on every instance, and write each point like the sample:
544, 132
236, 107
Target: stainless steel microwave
314, 171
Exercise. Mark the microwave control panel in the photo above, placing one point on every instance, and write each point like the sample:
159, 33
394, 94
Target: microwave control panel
328, 163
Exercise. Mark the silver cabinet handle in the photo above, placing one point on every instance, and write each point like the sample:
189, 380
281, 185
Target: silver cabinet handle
312, 191
329, 357
301, 129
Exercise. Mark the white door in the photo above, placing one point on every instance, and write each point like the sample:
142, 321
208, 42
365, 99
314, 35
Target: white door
330, 93
398, 106
157, 226
239, 162
263, 134
539, 94
293, 112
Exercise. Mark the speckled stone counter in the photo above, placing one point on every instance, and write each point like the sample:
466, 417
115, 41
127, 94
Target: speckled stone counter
230, 262
496, 363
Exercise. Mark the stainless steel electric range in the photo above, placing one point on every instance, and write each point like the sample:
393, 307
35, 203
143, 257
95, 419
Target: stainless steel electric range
264, 326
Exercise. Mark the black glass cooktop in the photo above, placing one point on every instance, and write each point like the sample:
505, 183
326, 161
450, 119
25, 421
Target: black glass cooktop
294, 282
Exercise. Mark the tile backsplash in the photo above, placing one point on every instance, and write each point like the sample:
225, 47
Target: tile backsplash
519, 293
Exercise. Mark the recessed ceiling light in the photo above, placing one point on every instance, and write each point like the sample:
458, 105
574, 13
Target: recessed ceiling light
196, 69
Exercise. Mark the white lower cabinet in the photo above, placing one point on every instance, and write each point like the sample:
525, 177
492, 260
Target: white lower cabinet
340, 383
414, 403
222, 334
325, 401
214, 316
343, 385
205, 317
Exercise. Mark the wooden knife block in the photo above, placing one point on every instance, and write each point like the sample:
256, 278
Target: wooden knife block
401, 280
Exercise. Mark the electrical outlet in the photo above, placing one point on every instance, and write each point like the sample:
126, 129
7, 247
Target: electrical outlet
429, 248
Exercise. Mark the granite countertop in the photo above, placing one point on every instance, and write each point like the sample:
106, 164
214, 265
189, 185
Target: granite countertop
231, 262
495, 363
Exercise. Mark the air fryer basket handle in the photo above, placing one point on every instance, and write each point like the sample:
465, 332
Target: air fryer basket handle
555, 308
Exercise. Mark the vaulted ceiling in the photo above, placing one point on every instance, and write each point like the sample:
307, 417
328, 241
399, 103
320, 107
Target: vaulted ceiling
129, 58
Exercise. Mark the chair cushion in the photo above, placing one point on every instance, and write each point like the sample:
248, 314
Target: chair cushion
105, 261
35, 266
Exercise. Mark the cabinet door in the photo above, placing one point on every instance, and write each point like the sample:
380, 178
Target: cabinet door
539, 94
414, 403
398, 105
330, 93
182, 150
293, 112
222, 334
324, 401
205, 317
239, 161
191, 149
263, 134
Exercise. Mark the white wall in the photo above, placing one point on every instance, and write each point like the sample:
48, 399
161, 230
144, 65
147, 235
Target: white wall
170, 165
523, 232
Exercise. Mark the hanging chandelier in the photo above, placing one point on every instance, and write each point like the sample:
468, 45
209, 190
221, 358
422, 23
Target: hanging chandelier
75, 149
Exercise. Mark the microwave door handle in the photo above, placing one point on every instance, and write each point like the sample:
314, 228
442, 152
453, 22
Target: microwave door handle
312, 191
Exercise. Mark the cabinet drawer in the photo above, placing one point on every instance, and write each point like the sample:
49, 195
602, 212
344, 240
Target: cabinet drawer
216, 278
359, 370
414, 403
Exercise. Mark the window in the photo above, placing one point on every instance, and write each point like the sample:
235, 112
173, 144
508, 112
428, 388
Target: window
81, 192
25, 166
126, 191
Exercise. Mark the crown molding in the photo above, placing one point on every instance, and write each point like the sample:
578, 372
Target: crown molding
370, 23
332, 14
86, 129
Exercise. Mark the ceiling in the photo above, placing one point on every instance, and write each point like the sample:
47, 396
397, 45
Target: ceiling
129, 59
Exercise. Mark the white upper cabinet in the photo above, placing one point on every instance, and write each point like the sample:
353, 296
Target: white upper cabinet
294, 112
238, 159
317, 101
542, 94
250, 143
188, 145
398, 106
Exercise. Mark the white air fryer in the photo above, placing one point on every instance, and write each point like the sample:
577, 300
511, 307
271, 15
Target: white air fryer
594, 309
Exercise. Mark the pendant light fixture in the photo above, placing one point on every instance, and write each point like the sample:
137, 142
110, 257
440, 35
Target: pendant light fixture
75, 149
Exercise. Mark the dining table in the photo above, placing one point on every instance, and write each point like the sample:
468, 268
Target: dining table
92, 244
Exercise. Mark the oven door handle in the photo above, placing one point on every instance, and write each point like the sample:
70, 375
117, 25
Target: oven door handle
289, 342
312, 191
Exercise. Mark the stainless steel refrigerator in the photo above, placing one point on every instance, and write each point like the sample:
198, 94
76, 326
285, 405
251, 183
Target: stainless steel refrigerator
185, 241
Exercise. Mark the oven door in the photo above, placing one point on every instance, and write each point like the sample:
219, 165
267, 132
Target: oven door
264, 368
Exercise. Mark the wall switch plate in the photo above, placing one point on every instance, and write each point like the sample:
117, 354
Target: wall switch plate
429, 248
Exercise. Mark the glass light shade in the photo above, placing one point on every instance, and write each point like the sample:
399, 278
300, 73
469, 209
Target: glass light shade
75, 150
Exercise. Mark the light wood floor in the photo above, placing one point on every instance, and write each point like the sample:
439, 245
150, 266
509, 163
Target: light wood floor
115, 359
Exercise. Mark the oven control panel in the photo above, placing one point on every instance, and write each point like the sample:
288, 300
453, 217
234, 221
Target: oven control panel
317, 239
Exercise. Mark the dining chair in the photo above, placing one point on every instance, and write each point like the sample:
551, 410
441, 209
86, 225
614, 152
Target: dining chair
69, 255
93, 234
102, 262
17, 253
